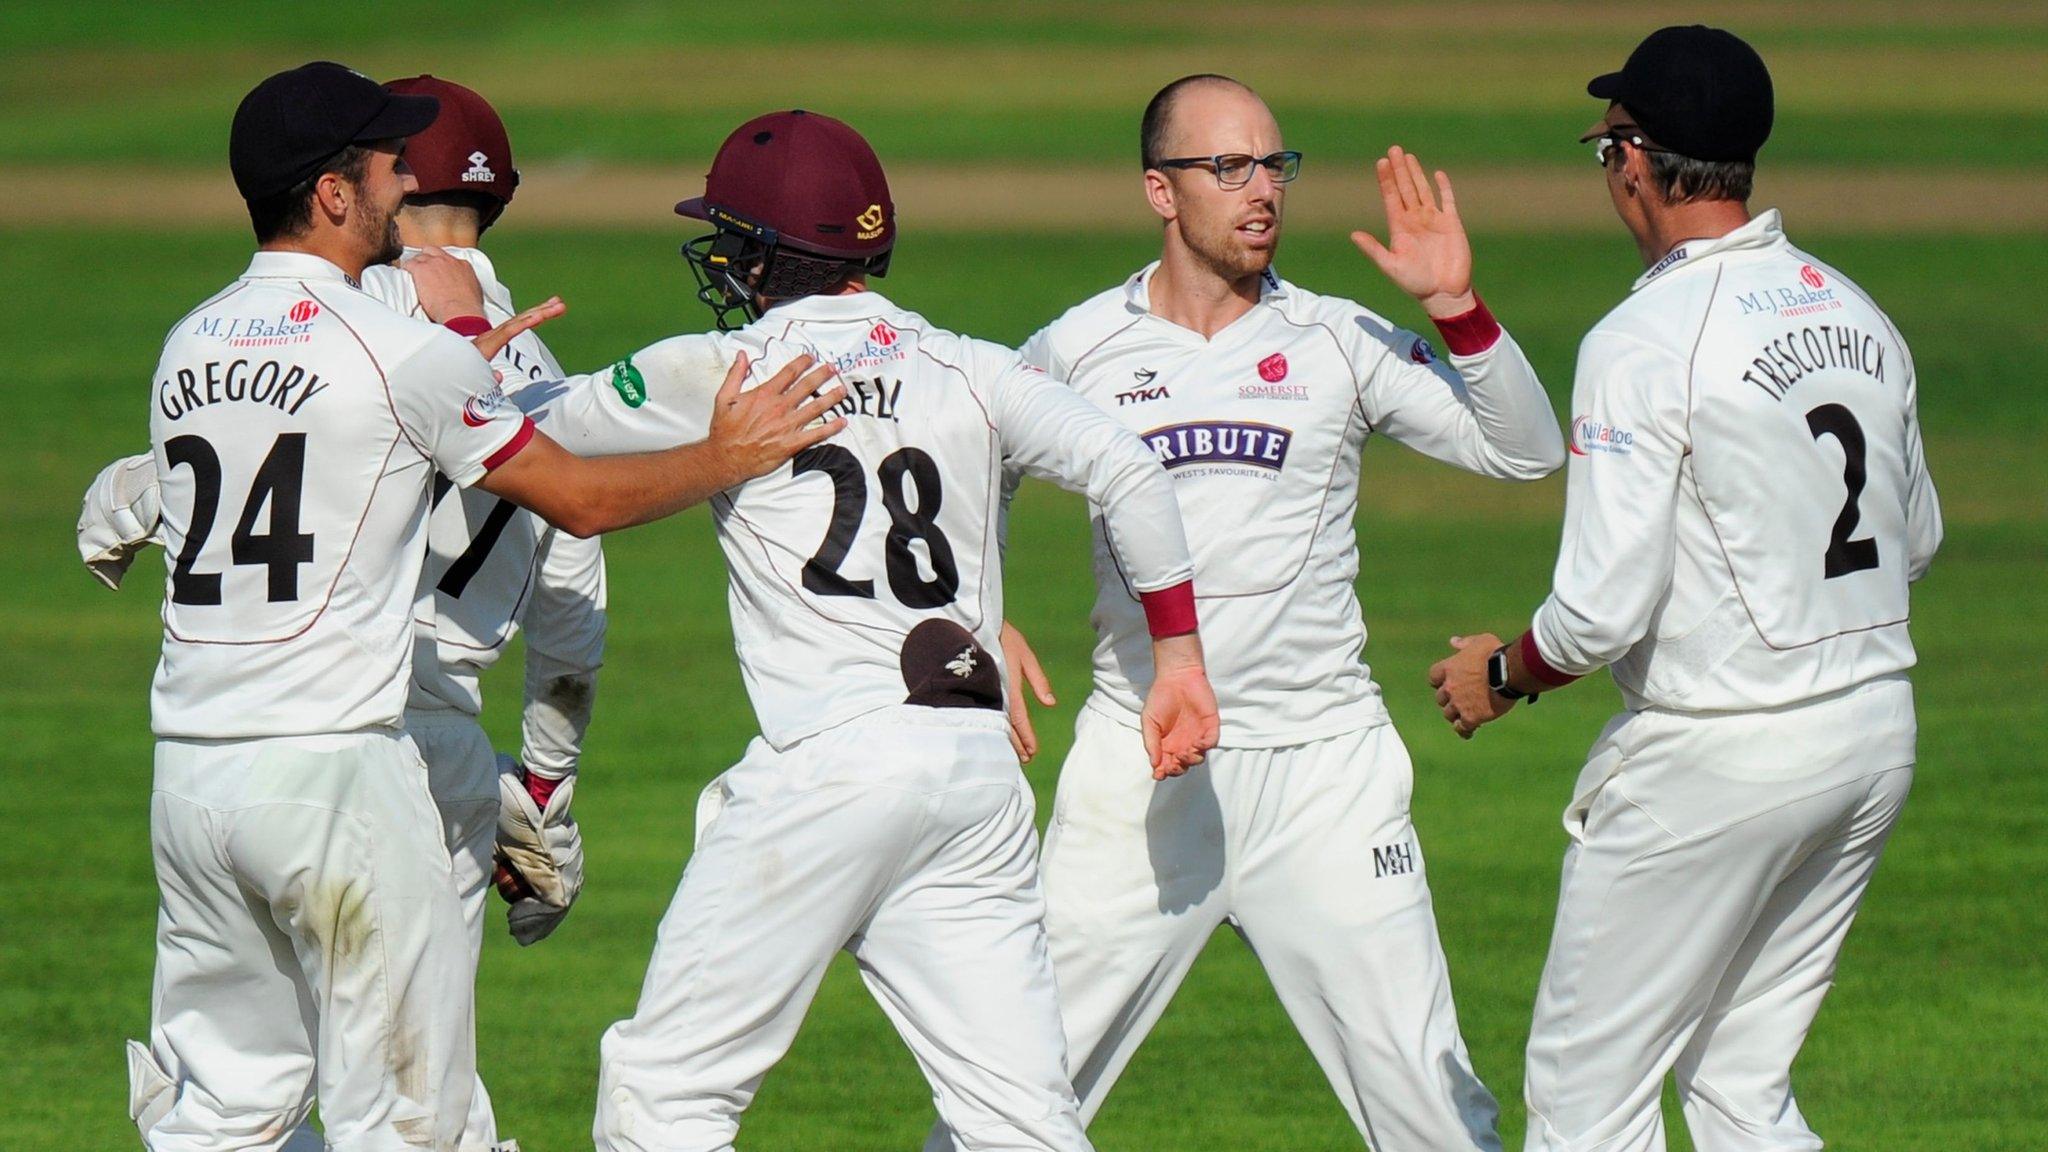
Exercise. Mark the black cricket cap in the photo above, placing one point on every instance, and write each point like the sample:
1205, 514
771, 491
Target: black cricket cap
1698, 91
296, 121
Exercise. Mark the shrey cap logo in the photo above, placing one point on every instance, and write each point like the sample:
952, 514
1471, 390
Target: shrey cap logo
882, 333
1273, 369
1811, 276
479, 169
303, 311
870, 222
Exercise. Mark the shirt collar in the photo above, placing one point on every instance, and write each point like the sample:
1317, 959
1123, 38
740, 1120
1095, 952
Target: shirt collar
850, 306
1766, 230
294, 266
1138, 293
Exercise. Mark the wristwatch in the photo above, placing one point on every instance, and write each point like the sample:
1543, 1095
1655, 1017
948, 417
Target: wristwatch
1497, 677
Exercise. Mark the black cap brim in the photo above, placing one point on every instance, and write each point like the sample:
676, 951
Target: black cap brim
400, 117
1606, 87
693, 208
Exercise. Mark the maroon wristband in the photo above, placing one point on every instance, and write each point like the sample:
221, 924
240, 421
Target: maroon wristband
541, 788
1170, 611
469, 327
1469, 332
1532, 659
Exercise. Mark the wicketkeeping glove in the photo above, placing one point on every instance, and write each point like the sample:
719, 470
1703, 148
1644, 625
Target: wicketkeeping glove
541, 850
119, 517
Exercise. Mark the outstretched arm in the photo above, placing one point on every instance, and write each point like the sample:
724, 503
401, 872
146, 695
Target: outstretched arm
752, 433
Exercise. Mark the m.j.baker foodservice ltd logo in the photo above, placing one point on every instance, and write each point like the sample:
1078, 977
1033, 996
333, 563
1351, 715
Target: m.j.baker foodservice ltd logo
294, 326
1590, 436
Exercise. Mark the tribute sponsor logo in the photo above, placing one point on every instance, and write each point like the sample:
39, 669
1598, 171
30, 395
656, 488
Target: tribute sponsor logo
1234, 446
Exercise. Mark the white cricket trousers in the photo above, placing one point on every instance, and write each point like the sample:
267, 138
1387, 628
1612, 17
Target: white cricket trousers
308, 936
1309, 853
1715, 867
905, 838
462, 775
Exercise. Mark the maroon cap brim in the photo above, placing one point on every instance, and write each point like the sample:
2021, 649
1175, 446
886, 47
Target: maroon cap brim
693, 208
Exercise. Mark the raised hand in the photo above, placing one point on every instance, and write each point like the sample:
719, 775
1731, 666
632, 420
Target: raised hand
1427, 254
1179, 723
759, 429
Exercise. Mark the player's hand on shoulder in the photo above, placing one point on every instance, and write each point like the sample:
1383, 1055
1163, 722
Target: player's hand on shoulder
447, 286
1180, 722
1463, 692
757, 429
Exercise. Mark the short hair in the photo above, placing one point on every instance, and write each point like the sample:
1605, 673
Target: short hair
1152, 130
1682, 179
290, 212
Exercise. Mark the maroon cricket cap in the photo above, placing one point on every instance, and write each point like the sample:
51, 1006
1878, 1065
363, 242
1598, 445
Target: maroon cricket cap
465, 149
811, 178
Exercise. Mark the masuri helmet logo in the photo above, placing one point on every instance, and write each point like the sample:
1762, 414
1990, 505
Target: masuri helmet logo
870, 222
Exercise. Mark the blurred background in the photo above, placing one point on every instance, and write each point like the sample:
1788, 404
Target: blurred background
1911, 143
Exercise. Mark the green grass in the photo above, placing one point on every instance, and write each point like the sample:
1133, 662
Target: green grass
1932, 1040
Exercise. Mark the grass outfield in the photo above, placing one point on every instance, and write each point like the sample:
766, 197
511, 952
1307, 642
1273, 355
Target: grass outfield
1933, 1040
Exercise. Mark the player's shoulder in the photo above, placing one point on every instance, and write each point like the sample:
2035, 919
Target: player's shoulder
1096, 321
392, 286
1365, 338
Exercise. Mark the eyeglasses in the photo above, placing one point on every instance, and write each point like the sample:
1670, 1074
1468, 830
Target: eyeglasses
1605, 142
1234, 169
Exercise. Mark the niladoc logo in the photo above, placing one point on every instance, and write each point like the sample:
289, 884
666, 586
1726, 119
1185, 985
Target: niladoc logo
1811, 276
303, 311
1273, 369
1590, 436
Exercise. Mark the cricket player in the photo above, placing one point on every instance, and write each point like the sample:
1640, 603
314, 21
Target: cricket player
1748, 501
881, 811
309, 934
1258, 397
492, 567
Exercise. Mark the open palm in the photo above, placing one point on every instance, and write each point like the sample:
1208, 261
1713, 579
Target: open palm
1426, 254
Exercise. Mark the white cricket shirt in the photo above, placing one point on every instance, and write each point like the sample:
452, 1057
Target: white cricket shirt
296, 424
1748, 498
836, 556
493, 567
1261, 428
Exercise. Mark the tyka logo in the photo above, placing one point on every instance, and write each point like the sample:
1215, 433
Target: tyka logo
303, 311
1144, 391
1273, 369
1393, 860
479, 170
